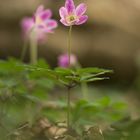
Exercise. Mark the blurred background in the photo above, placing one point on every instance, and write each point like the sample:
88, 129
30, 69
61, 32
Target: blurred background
110, 38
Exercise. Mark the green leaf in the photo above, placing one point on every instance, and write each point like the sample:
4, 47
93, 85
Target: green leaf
119, 105
105, 101
42, 63
45, 83
93, 70
94, 79
64, 71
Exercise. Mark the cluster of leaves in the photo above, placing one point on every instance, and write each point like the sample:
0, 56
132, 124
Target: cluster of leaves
15, 80
126, 129
99, 111
21, 92
24, 88
72, 77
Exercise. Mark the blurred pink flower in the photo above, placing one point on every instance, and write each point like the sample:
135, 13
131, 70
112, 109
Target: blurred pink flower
27, 24
63, 60
71, 15
40, 24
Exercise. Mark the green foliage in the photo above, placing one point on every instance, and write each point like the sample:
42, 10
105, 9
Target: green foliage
25, 89
102, 110
21, 93
72, 77
125, 129
18, 81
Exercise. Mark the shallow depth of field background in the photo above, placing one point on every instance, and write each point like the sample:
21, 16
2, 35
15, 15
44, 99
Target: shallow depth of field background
110, 39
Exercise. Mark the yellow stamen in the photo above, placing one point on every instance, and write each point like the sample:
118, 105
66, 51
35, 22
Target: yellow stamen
70, 19
38, 20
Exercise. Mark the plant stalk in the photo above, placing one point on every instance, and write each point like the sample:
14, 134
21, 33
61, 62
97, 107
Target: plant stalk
68, 109
24, 49
69, 45
33, 49
68, 95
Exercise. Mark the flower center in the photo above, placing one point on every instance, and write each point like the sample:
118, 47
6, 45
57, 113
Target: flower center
71, 19
38, 20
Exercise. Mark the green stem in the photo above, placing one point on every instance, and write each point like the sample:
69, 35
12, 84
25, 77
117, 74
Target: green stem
33, 50
69, 44
68, 95
24, 49
68, 110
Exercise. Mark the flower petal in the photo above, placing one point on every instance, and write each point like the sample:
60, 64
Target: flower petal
81, 9
69, 5
40, 36
39, 9
82, 20
51, 24
63, 61
63, 21
27, 24
63, 12
46, 14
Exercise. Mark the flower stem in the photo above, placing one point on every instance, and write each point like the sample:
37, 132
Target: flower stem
68, 109
68, 95
24, 49
33, 49
69, 44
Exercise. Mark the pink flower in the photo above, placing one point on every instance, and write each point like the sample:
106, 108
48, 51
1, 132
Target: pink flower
63, 60
40, 24
71, 15
27, 24
43, 21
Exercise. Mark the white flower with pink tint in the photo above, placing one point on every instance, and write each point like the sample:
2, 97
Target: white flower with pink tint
71, 15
